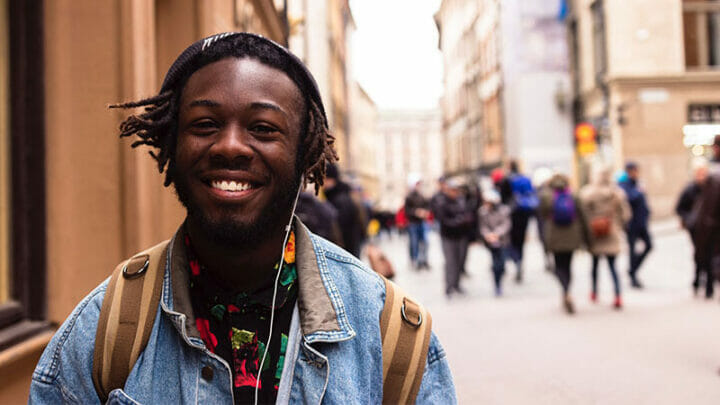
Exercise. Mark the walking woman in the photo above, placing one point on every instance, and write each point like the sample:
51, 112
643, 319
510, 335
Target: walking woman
606, 210
495, 232
564, 230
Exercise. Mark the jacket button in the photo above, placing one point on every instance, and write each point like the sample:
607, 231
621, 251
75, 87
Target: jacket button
207, 373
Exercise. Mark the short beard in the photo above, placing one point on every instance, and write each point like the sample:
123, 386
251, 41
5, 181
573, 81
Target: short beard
233, 234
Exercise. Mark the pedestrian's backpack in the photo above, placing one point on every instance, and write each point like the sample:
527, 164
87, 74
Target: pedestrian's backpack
524, 196
133, 294
563, 208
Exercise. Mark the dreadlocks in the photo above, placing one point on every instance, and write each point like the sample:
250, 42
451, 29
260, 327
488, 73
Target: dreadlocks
156, 125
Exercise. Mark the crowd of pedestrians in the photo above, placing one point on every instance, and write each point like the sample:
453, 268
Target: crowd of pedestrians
598, 217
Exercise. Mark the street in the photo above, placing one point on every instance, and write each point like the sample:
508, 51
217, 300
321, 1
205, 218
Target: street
661, 348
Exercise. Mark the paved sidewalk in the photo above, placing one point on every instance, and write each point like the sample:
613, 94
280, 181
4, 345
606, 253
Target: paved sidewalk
662, 348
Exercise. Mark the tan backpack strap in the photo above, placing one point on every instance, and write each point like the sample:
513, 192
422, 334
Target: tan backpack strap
405, 328
126, 318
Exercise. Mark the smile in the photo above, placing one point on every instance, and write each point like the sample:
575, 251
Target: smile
230, 185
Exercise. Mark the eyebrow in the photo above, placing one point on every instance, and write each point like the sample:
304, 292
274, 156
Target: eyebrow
204, 103
257, 105
261, 105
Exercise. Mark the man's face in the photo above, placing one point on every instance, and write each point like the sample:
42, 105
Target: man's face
633, 173
239, 125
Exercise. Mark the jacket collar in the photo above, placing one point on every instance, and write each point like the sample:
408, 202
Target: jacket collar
322, 313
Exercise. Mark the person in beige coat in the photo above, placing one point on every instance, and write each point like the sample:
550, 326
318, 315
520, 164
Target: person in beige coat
606, 210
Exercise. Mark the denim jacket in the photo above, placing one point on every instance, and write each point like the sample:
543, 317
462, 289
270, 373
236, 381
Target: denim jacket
333, 356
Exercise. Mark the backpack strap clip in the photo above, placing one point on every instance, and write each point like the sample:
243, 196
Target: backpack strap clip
414, 309
136, 266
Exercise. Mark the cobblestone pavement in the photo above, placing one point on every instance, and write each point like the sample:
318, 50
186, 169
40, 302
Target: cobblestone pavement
662, 348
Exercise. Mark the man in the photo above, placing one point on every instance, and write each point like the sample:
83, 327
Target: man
637, 228
455, 222
707, 225
351, 215
686, 210
524, 203
417, 211
252, 309
320, 217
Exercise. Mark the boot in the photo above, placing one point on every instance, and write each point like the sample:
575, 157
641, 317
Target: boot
568, 304
618, 302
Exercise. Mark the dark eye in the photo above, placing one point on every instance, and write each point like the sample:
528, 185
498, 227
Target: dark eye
263, 129
203, 127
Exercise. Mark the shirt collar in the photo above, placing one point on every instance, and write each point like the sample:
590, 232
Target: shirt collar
322, 314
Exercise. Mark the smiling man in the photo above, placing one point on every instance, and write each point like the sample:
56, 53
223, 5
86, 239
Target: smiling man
243, 304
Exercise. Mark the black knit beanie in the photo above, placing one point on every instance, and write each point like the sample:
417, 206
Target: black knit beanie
185, 64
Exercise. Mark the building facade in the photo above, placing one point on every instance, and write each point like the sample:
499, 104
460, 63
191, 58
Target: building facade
80, 198
319, 35
536, 85
471, 107
650, 86
367, 152
411, 149
506, 85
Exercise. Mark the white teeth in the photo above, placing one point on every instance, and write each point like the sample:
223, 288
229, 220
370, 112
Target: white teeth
230, 185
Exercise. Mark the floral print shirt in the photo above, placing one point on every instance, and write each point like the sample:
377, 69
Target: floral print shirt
234, 325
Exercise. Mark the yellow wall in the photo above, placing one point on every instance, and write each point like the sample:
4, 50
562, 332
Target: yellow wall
105, 201
4, 161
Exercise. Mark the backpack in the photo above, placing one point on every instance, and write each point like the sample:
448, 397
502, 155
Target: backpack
133, 294
563, 208
524, 196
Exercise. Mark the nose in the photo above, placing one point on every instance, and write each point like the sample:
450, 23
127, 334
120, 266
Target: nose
231, 146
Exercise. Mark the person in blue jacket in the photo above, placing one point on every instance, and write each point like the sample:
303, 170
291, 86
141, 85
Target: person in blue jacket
637, 228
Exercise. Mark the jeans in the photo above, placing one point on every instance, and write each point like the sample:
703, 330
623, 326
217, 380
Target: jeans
635, 258
418, 242
562, 269
613, 273
455, 251
498, 266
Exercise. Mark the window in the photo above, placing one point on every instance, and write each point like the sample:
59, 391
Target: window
701, 29
22, 308
599, 46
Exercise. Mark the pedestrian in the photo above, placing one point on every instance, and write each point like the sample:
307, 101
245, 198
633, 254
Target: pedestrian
351, 214
563, 226
495, 232
417, 210
455, 221
686, 209
606, 212
244, 304
541, 182
637, 229
320, 217
707, 226
438, 196
524, 204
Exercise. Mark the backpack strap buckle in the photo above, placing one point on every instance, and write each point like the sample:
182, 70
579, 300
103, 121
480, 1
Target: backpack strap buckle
136, 267
414, 310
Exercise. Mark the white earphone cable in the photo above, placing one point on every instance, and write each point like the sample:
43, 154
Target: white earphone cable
288, 228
